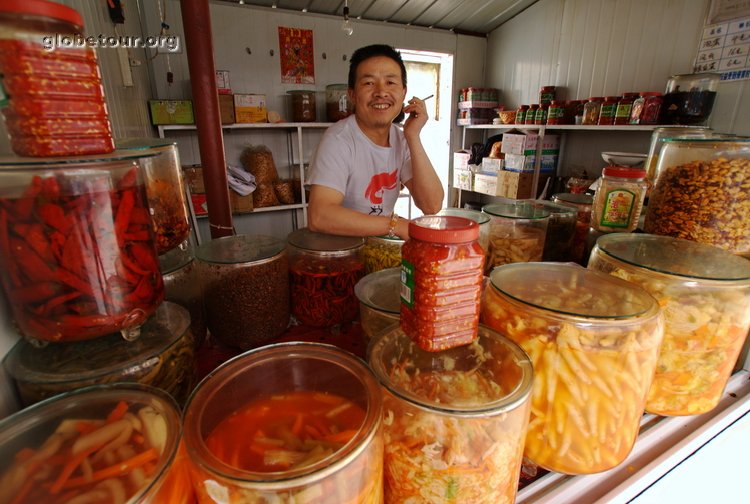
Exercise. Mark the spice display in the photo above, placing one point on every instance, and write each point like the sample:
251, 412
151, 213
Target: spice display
381, 252
77, 250
517, 233
245, 288
455, 420
619, 199
700, 192
705, 296
379, 301
303, 106
162, 357
441, 277
103, 444
591, 110
582, 203
593, 341
607, 110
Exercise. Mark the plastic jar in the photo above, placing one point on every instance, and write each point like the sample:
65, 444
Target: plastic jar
441, 277
689, 98
619, 199
303, 105
540, 117
165, 188
245, 287
324, 270
657, 142
556, 112
322, 439
521, 114
379, 297
561, 229
77, 248
624, 106
583, 204
381, 252
338, 105
546, 95
700, 192
591, 110
594, 341
456, 419
607, 110
531, 114
56, 105
182, 286
477, 216
517, 233
705, 295
646, 108
147, 416
162, 357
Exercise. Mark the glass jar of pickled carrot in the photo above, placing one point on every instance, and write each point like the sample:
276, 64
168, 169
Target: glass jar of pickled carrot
594, 341
56, 101
119, 439
441, 282
705, 294
323, 272
290, 422
517, 233
455, 420
77, 247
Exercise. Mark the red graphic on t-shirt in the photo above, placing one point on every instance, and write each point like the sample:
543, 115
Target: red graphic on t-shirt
379, 183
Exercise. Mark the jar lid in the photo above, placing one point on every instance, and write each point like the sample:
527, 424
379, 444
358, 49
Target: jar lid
555, 208
571, 290
491, 375
647, 94
239, 249
516, 210
545, 88
574, 198
611, 98
381, 290
322, 242
596, 98
176, 258
675, 256
43, 8
107, 358
709, 140
475, 215
142, 144
557, 102
443, 229
47, 163
623, 172
387, 240
630, 95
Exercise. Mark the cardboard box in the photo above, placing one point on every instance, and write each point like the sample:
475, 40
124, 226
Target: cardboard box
222, 82
520, 143
517, 185
514, 162
492, 164
461, 160
250, 108
462, 179
226, 108
486, 183
241, 204
194, 179
200, 206
171, 112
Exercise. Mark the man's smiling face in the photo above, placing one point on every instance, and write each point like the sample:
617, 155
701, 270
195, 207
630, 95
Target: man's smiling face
378, 93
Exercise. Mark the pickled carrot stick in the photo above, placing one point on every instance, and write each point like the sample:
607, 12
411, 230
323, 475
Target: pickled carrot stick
341, 437
297, 427
73, 462
118, 412
115, 470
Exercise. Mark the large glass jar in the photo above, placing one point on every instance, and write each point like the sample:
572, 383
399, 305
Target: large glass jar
477, 216
689, 98
245, 283
79, 445
561, 230
619, 199
441, 282
291, 422
658, 137
705, 295
303, 105
56, 101
455, 421
323, 272
165, 189
594, 341
182, 286
517, 233
379, 297
163, 357
338, 104
381, 252
77, 248
701, 192
583, 204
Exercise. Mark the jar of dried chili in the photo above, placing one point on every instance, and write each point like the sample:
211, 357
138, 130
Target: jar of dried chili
56, 105
441, 280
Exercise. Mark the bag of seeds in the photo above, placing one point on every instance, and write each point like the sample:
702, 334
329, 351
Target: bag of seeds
284, 191
258, 160
264, 196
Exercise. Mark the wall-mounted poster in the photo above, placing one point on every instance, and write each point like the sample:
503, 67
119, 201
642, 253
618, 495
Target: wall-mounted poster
725, 42
297, 56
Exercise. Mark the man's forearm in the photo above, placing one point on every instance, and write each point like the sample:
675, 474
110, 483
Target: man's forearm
339, 220
425, 186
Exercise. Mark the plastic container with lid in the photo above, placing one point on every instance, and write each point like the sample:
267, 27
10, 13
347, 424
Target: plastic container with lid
456, 419
556, 112
182, 286
517, 233
591, 110
705, 295
619, 199
646, 108
624, 106
144, 430
521, 114
162, 357
540, 117
338, 104
561, 230
531, 114
607, 110
303, 105
546, 95
689, 98
441, 277
324, 270
245, 286
379, 297
594, 341
77, 247
165, 188
701, 192
658, 137
381, 252
290, 422
56, 103
479, 217
583, 204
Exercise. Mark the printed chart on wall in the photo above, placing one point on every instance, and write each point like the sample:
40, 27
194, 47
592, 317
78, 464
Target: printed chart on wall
725, 43
296, 55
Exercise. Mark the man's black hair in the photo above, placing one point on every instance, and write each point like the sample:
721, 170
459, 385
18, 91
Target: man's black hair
372, 51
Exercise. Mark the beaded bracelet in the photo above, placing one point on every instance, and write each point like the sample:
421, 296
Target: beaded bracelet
392, 225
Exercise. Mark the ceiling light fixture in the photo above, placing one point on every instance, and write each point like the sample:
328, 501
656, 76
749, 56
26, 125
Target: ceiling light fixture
346, 25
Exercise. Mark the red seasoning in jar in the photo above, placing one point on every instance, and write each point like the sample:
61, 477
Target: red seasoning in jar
441, 279
622, 112
646, 108
607, 110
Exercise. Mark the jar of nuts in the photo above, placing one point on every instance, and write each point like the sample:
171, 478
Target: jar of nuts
702, 192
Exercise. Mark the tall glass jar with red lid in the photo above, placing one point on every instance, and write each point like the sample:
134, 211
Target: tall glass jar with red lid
531, 114
607, 110
441, 279
56, 105
556, 112
521, 114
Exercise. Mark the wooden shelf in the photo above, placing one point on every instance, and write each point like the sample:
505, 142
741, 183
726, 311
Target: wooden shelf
571, 127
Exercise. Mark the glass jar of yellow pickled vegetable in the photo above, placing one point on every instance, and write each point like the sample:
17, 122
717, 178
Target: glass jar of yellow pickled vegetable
381, 252
705, 293
594, 341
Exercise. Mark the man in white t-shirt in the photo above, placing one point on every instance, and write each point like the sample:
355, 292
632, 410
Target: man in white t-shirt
362, 161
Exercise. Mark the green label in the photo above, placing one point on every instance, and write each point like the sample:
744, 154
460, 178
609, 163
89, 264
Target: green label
520, 117
3, 95
618, 208
607, 111
407, 283
623, 110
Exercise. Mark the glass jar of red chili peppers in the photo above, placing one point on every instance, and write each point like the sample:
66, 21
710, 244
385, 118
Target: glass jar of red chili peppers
323, 272
441, 277
77, 248
56, 105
